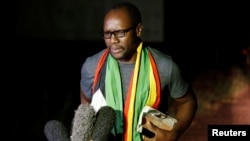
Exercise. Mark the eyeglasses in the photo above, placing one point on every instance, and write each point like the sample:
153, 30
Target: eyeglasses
117, 33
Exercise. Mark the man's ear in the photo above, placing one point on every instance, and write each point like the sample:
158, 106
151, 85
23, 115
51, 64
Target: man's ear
139, 29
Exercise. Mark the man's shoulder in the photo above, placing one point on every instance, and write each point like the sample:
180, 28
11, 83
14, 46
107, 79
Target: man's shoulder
91, 61
95, 56
159, 55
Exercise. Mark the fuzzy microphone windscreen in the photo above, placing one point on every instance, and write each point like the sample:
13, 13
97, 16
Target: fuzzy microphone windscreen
83, 123
105, 120
55, 131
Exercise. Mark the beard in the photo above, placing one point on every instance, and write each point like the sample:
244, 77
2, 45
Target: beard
123, 55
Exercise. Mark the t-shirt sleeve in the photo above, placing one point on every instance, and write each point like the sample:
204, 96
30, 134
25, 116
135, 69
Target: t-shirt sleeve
87, 73
87, 77
178, 86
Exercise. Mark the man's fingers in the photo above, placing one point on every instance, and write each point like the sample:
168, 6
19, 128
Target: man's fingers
146, 123
148, 128
145, 138
147, 133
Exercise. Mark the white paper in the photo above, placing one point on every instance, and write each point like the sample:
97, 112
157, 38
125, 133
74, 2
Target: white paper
98, 100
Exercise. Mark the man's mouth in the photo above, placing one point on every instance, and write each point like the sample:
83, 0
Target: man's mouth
116, 50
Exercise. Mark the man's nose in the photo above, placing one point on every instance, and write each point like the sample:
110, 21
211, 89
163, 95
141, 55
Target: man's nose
113, 38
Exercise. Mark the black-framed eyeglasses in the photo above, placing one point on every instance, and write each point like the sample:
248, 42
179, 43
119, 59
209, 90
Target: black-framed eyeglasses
117, 33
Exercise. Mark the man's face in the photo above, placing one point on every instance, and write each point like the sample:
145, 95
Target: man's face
123, 41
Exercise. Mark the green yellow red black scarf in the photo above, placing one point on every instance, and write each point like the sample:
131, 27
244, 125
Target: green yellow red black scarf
144, 89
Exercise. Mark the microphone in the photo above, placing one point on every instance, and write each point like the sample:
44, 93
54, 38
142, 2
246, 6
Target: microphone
105, 120
55, 131
83, 123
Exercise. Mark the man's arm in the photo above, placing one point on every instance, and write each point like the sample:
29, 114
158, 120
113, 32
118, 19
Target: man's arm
184, 109
83, 98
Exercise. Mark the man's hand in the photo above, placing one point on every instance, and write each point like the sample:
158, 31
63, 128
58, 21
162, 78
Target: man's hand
159, 134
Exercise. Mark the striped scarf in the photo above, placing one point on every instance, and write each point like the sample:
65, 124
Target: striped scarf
144, 89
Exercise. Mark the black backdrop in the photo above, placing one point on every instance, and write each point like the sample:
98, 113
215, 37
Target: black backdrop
44, 73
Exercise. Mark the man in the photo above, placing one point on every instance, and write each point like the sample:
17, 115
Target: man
132, 75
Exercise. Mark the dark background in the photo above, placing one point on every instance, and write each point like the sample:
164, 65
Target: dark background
44, 71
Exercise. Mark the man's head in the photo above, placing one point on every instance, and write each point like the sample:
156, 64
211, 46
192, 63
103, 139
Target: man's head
122, 29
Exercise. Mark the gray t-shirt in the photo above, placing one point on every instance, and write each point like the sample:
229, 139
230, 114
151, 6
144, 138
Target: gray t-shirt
170, 75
